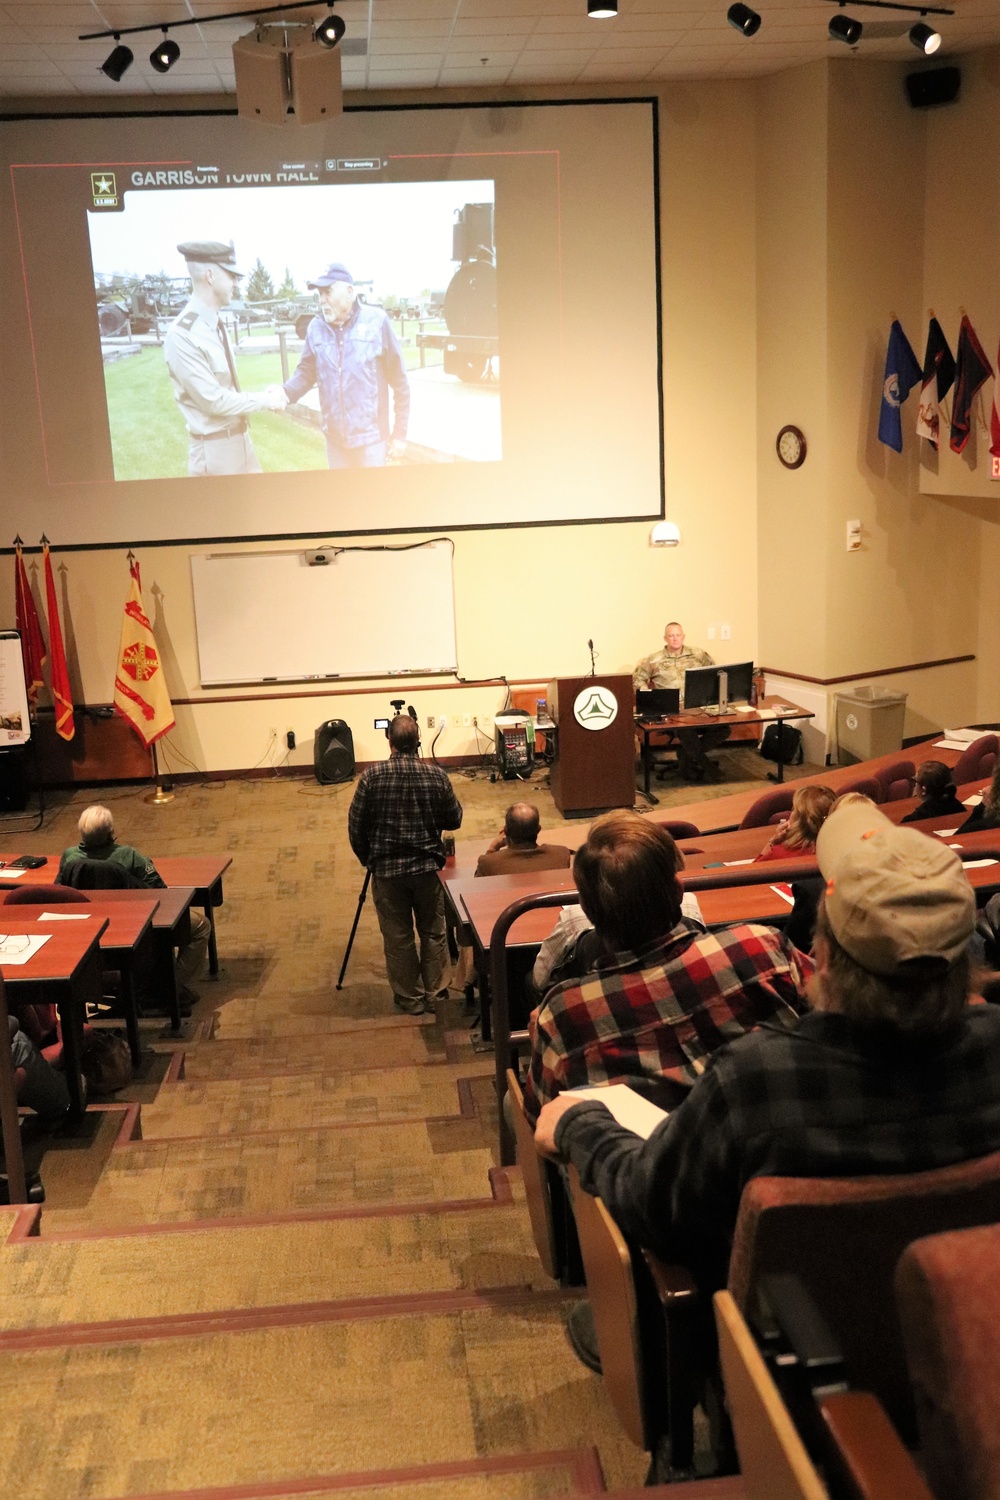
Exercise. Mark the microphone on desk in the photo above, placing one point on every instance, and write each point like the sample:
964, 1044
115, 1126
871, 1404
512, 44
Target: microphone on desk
593, 669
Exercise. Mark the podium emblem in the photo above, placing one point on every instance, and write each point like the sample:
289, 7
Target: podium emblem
595, 707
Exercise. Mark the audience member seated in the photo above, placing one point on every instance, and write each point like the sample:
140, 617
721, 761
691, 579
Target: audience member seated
796, 838
987, 814
516, 846
572, 948
665, 996
98, 842
892, 1071
934, 786
39, 1087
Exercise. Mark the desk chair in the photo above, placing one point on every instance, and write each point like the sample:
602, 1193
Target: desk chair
866, 786
976, 763
769, 809
861, 1454
552, 1224
844, 1237
895, 781
948, 1294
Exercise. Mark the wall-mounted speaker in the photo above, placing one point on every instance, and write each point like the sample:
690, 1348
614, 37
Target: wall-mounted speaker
263, 79
333, 752
933, 86
317, 92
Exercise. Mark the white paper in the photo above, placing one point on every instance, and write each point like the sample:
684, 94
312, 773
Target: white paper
946, 833
975, 864
950, 745
974, 800
630, 1109
964, 736
783, 894
12, 874
33, 944
730, 862
64, 916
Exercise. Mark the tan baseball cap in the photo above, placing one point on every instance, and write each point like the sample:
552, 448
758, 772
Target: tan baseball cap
892, 894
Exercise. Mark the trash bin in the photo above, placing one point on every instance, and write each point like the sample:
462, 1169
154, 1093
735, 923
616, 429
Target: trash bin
869, 723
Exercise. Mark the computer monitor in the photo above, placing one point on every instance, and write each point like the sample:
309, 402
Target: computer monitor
740, 675
701, 687
654, 703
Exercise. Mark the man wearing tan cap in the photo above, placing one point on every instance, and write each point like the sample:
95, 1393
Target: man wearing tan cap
892, 1071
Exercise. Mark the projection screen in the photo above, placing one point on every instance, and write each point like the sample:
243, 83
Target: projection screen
426, 319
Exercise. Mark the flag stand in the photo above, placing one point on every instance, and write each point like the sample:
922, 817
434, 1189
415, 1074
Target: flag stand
159, 796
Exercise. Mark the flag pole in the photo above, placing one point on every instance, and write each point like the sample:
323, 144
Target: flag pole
159, 795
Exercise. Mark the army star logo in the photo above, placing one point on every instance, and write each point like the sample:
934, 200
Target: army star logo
140, 662
104, 189
595, 708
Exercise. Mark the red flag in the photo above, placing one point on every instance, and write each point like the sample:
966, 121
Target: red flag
32, 643
995, 416
140, 687
973, 371
62, 696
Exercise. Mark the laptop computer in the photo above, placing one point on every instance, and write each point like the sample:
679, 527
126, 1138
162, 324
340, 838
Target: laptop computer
652, 704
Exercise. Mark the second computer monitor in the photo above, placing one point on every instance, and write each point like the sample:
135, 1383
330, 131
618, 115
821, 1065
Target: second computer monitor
701, 686
740, 676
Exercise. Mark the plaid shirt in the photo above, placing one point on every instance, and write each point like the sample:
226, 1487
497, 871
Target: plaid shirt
818, 1100
661, 1013
397, 814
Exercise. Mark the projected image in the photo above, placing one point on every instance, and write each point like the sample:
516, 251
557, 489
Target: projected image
279, 329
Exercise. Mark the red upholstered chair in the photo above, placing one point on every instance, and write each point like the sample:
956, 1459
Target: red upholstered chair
896, 781
866, 785
843, 1237
678, 829
43, 895
770, 808
976, 763
948, 1293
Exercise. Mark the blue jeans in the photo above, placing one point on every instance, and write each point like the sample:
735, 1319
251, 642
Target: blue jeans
43, 1089
372, 456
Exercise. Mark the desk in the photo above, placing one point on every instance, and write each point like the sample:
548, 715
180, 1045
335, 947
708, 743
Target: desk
66, 970
127, 931
770, 711
171, 927
202, 872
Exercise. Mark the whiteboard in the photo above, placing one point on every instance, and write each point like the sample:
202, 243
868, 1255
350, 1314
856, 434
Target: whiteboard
368, 612
15, 724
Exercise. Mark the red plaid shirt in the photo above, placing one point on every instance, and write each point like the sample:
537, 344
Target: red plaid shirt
663, 1012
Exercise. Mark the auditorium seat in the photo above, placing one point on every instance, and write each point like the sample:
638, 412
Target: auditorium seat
770, 808
976, 763
678, 829
948, 1293
552, 1226
865, 786
896, 781
42, 895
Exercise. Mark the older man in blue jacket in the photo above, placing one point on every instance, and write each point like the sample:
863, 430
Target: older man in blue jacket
351, 354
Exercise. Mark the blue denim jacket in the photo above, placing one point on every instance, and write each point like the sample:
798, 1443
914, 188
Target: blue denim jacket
353, 366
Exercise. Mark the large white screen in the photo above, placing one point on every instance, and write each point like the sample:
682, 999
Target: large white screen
533, 398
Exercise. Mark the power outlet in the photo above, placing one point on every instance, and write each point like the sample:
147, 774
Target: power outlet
430, 721
486, 721
724, 632
442, 721
273, 732
467, 721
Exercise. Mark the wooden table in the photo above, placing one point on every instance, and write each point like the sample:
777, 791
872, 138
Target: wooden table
202, 872
67, 970
126, 938
770, 711
171, 928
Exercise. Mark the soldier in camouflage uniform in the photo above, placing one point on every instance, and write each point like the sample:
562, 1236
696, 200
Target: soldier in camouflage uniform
665, 669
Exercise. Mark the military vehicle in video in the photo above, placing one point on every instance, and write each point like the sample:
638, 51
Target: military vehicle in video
471, 345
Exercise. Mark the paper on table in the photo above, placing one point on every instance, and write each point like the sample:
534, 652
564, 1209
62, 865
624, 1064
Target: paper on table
974, 800
950, 745
12, 874
946, 833
64, 916
629, 1108
974, 864
729, 862
784, 890
32, 945
964, 736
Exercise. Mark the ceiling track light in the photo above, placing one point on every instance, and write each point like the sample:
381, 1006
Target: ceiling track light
925, 38
164, 54
329, 32
845, 29
602, 10
744, 19
119, 61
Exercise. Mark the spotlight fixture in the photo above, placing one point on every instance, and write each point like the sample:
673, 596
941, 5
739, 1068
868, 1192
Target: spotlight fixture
119, 61
845, 29
164, 54
924, 38
329, 32
744, 19
602, 10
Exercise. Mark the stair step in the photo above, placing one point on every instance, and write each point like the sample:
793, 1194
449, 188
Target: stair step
46, 1282
333, 1052
229, 1107
271, 1404
347, 1167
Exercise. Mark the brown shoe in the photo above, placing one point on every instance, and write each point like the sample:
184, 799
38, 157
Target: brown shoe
409, 1007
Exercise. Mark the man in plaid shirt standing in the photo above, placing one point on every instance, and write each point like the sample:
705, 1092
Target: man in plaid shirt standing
668, 995
397, 815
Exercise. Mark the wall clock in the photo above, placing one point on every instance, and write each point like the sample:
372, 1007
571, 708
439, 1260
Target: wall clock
791, 447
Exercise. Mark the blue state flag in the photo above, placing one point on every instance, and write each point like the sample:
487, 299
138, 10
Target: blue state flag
902, 373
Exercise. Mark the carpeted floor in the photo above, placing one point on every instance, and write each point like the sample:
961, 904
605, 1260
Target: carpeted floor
307, 1266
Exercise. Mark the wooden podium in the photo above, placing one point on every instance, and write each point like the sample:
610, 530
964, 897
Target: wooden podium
595, 765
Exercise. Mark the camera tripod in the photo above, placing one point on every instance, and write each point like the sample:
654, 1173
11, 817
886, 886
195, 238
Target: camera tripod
354, 928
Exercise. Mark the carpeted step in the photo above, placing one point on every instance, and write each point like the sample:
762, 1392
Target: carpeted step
44, 1282
347, 1167
232, 1107
255, 1057
125, 1411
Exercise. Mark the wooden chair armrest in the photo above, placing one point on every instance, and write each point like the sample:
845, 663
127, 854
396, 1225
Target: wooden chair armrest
674, 1283
870, 1452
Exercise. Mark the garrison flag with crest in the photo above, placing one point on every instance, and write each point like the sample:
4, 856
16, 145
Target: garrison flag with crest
140, 687
901, 374
938, 379
973, 371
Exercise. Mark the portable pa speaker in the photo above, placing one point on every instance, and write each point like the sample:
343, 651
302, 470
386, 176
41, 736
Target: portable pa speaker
933, 86
263, 81
333, 757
